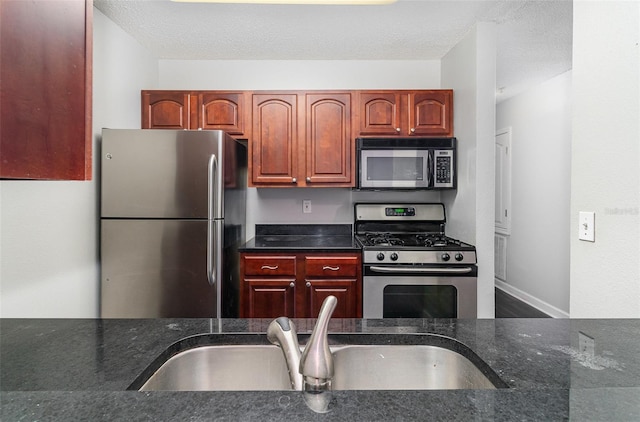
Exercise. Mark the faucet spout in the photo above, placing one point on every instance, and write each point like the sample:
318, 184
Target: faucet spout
282, 332
316, 363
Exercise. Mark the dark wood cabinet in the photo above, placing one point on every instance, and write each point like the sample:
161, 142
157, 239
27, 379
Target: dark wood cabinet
221, 110
328, 142
273, 156
166, 110
295, 285
406, 113
46, 76
302, 139
193, 110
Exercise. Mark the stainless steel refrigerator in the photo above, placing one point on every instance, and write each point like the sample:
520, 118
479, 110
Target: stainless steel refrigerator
172, 218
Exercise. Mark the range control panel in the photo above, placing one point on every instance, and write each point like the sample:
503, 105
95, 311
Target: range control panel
400, 212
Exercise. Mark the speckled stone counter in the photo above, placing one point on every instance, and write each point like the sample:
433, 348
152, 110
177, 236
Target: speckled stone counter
301, 237
53, 370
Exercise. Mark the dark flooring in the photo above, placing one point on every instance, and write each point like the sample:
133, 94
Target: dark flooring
508, 306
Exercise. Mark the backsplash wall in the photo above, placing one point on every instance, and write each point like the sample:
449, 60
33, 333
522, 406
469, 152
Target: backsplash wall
284, 205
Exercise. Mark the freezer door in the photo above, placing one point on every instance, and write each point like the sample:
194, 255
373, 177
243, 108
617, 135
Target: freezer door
162, 173
156, 269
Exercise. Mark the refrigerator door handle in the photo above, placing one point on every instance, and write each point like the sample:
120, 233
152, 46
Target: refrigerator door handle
212, 265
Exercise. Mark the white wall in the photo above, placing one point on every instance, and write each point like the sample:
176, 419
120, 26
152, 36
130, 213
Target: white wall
605, 167
49, 230
538, 247
294, 74
469, 68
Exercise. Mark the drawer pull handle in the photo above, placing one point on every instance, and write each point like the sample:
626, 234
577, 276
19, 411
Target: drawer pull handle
326, 267
269, 267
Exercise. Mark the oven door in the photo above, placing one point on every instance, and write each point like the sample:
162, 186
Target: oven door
394, 168
421, 295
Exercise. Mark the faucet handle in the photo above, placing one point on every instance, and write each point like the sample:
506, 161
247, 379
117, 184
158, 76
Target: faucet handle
316, 363
282, 332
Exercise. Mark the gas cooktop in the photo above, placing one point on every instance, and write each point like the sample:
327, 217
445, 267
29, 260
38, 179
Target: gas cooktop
409, 240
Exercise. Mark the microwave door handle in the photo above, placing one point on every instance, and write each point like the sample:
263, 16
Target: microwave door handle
430, 173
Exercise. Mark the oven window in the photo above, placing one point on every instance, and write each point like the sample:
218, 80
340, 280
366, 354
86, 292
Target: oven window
420, 301
395, 168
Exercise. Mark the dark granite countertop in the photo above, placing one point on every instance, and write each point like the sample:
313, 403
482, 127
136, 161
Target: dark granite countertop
302, 237
70, 369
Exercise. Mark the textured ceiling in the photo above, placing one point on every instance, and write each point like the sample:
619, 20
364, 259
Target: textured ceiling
534, 37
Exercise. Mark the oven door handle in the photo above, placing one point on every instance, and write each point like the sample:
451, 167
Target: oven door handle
432, 270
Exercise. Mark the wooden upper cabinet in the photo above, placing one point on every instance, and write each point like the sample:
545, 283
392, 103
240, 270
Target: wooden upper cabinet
207, 110
274, 141
46, 77
431, 113
379, 113
328, 140
406, 113
166, 110
221, 110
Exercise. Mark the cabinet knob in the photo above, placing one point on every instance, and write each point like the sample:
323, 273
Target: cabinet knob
294, 180
308, 284
413, 130
398, 129
292, 284
326, 267
308, 179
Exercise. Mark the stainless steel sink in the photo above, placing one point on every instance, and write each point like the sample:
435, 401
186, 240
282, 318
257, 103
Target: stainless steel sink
414, 366
220, 368
404, 368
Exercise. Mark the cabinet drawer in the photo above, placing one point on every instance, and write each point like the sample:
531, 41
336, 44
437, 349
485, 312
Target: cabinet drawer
328, 266
270, 265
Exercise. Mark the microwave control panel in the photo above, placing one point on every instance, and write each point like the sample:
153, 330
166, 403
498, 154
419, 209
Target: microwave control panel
443, 176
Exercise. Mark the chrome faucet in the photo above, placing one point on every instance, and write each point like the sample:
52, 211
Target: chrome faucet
282, 332
313, 370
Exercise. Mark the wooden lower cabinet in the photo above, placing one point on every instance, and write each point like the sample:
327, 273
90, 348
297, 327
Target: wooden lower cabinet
295, 285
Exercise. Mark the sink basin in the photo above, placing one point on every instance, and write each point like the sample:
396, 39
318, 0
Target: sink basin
412, 367
220, 368
414, 362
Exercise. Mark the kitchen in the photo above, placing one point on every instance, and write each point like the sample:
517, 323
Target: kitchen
28, 285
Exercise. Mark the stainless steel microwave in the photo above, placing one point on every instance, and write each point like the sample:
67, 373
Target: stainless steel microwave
406, 163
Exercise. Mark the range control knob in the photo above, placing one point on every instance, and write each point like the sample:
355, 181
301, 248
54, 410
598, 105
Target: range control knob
380, 256
394, 256
459, 257
445, 256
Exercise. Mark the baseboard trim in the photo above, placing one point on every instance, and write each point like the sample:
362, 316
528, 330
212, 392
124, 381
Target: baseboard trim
530, 300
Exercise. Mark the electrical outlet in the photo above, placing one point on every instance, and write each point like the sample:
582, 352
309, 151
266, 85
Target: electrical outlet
586, 344
306, 206
587, 226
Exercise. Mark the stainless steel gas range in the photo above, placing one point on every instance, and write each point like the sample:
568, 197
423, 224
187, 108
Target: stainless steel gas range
411, 269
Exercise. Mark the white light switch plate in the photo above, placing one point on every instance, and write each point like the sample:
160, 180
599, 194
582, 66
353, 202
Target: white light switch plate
587, 226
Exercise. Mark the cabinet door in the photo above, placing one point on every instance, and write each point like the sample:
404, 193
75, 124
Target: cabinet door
333, 274
45, 106
268, 298
379, 113
431, 113
328, 141
222, 110
274, 143
165, 110
343, 289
